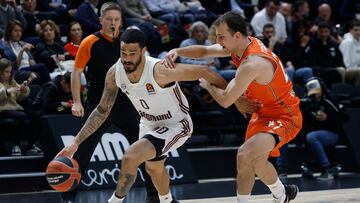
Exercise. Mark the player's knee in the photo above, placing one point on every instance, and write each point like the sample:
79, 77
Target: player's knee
154, 169
129, 161
242, 159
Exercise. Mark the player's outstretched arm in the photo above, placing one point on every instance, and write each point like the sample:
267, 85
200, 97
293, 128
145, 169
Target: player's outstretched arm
188, 72
194, 52
99, 114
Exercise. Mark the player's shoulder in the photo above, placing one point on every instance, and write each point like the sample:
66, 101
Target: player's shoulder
256, 63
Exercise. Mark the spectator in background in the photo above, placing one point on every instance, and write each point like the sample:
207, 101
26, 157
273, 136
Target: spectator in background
2, 50
50, 50
286, 11
301, 10
9, 11
298, 75
324, 124
350, 49
10, 94
19, 52
189, 12
136, 12
60, 7
325, 51
270, 14
157, 11
301, 44
324, 15
74, 37
198, 35
249, 30
87, 16
55, 97
34, 17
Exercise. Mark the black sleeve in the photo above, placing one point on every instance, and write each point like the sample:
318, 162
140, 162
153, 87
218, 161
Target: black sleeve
51, 100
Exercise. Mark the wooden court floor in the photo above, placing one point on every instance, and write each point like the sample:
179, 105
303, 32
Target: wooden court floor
324, 196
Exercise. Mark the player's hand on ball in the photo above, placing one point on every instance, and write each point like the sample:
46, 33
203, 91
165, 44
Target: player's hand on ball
247, 106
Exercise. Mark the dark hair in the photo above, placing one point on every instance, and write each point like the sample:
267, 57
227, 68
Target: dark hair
69, 29
10, 27
298, 4
268, 25
276, 2
354, 23
234, 21
4, 63
66, 77
134, 36
109, 6
324, 24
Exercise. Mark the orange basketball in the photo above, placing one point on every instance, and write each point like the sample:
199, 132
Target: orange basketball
63, 173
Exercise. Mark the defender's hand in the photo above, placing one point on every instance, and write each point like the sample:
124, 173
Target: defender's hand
169, 60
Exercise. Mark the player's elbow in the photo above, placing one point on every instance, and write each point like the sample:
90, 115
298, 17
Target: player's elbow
225, 103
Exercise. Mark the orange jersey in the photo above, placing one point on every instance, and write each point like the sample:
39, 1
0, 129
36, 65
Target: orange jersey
280, 113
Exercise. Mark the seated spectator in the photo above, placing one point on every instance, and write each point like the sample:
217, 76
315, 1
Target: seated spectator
135, 12
324, 15
327, 59
86, 15
34, 17
324, 124
286, 10
350, 49
19, 53
189, 12
60, 7
157, 11
156, 30
55, 97
271, 15
74, 37
9, 11
50, 50
283, 50
249, 30
2, 50
10, 94
198, 35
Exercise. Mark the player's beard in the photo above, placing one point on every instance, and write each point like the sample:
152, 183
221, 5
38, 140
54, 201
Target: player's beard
133, 68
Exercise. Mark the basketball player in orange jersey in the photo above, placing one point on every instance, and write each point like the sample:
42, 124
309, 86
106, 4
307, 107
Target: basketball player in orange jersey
260, 76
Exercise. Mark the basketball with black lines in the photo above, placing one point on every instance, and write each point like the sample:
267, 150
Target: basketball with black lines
63, 173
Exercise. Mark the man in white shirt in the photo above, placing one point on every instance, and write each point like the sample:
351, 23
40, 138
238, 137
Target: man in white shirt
270, 14
350, 49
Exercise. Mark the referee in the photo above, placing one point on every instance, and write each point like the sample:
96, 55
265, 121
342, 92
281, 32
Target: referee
98, 52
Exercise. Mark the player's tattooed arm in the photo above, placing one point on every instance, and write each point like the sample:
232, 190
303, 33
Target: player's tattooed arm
102, 111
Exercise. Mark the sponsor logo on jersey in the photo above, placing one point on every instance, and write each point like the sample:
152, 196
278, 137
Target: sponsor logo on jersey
160, 117
150, 88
